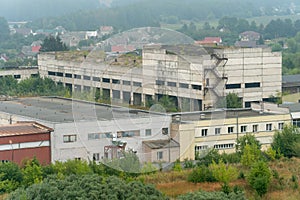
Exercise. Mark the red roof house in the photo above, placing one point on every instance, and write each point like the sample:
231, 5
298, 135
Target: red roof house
25, 140
210, 41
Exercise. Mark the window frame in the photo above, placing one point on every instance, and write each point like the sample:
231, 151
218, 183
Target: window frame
204, 132
269, 127
229, 131
217, 131
243, 129
68, 138
159, 155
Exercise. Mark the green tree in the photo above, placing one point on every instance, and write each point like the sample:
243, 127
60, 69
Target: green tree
224, 174
32, 172
8, 85
259, 177
52, 43
10, 177
285, 141
248, 139
168, 103
233, 101
251, 153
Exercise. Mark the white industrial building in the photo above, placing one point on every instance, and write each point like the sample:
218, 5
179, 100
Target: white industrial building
89, 131
195, 78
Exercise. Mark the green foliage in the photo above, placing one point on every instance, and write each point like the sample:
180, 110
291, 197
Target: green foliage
87, 187
201, 174
10, 177
34, 86
69, 167
188, 164
270, 153
52, 43
8, 85
202, 195
129, 164
247, 139
32, 172
223, 173
231, 157
177, 166
148, 168
207, 157
251, 153
232, 100
259, 177
168, 103
286, 141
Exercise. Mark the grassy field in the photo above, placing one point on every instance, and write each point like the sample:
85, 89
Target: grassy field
175, 183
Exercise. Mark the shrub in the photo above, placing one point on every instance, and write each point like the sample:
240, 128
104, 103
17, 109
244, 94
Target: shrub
230, 158
250, 154
207, 157
287, 141
259, 177
177, 166
202, 195
201, 174
87, 187
188, 164
223, 173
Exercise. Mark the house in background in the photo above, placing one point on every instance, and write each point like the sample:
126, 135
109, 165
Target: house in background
25, 140
4, 58
106, 30
249, 36
210, 41
36, 46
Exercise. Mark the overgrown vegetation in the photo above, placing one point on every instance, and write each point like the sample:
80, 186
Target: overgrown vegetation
34, 86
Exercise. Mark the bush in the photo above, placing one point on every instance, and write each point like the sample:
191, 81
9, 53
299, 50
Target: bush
286, 142
207, 157
188, 164
259, 177
202, 195
251, 153
201, 174
223, 173
230, 158
87, 187
177, 166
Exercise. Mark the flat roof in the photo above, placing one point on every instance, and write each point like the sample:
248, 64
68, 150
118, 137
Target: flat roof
291, 78
159, 144
221, 114
59, 110
23, 128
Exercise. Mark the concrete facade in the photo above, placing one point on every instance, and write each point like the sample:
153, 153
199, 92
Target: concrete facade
20, 73
195, 77
198, 132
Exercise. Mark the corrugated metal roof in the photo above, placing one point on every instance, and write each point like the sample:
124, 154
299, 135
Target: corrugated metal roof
23, 128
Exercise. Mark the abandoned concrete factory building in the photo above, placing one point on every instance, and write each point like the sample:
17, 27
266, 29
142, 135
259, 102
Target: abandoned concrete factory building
193, 76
